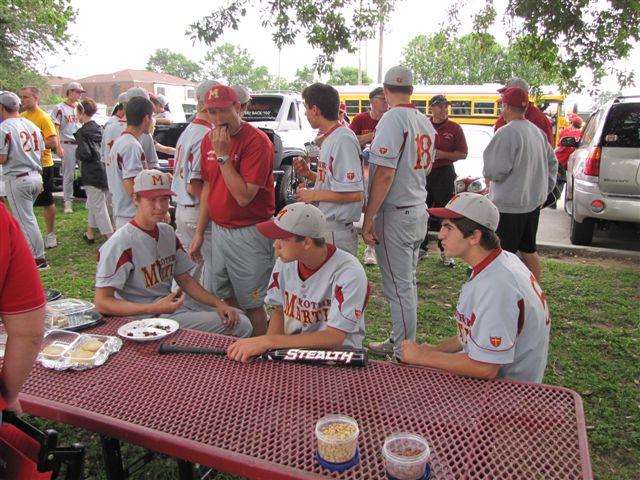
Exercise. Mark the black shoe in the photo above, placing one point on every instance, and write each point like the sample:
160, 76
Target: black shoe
42, 264
90, 241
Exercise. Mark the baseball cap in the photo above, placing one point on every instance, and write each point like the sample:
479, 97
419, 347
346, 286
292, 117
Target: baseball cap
152, 183
376, 92
122, 98
298, 218
399, 76
162, 100
76, 86
473, 206
438, 100
575, 118
136, 92
9, 100
220, 96
516, 97
242, 93
515, 82
203, 87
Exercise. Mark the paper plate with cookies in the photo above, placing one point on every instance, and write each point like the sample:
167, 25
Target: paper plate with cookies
149, 329
63, 350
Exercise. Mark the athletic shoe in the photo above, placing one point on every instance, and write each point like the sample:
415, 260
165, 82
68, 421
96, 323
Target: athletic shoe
90, 241
68, 206
422, 254
446, 261
50, 241
370, 256
384, 347
42, 264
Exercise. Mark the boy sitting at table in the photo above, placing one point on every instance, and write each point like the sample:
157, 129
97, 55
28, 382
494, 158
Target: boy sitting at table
503, 318
319, 292
137, 265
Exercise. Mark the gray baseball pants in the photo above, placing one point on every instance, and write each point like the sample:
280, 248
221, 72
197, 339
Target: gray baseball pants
21, 194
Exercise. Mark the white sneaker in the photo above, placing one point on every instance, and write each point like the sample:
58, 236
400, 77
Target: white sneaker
385, 347
68, 206
50, 241
370, 256
446, 261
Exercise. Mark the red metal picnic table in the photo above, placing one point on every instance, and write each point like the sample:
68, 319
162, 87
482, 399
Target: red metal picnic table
257, 420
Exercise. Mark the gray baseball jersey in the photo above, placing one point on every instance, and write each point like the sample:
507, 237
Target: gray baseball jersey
22, 142
141, 264
503, 318
340, 170
114, 130
126, 159
66, 118
188, 161
404, 141
335, 295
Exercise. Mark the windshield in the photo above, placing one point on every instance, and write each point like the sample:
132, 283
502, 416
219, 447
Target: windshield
263, 109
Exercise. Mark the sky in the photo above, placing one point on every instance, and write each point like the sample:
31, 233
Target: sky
126, 33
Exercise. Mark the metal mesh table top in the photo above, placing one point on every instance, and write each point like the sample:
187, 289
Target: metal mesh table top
258, 420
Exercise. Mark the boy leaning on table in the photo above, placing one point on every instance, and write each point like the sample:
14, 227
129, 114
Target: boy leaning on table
502, 315
319, 292
138, 263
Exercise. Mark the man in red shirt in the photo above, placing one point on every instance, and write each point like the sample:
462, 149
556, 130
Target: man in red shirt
451, 146
238, 193
533, 113
574, 129
22, 304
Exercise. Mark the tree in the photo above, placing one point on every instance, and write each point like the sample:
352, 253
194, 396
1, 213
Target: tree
304, 77
29, 30
164, 60
348, 76
327, 25
235, 66
591, 34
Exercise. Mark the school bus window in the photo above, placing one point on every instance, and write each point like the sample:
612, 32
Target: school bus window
483, 108
353, 107
461, 108
365, 106
420, 105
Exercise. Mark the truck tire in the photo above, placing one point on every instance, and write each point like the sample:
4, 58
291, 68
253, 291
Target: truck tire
581, 233
284, 191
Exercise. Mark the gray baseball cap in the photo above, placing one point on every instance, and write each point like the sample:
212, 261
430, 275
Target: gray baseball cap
399, 76
76, 86
122, 98
376, 92
515, 82
473, 206
242, 93
162, 100
152, 183
9, 100
137, 92
437, 100
203, 87
298, 218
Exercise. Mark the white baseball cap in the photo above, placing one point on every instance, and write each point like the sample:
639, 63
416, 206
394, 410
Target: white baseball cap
9, 100
296, 219
137, 92
162, 100
242, 93
399, 76
152, 183
76, 86
515, 82
473, 206
203, 87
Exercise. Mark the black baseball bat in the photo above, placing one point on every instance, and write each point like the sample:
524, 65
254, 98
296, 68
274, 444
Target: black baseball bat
347, 357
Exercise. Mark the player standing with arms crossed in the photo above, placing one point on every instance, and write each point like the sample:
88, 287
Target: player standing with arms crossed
66, 119
395, 219
339, 183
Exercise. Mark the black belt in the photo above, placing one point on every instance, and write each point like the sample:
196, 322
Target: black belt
22, 174
407, 206
69, 143
188, 206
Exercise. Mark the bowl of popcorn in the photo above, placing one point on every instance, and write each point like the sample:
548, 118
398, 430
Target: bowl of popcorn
406, 456
337, 437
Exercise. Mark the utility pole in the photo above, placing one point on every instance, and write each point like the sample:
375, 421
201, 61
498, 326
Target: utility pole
380, 47
360, 51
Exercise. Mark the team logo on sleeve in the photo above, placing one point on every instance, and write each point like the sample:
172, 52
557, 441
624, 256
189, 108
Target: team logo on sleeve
383, 150
351, 175
274, 283
339, 296
495, 341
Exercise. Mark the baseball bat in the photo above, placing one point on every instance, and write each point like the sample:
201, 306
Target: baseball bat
347, 357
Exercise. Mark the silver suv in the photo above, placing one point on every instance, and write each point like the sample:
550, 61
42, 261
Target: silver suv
603, 174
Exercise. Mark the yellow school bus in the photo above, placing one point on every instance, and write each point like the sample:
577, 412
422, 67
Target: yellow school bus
474, 104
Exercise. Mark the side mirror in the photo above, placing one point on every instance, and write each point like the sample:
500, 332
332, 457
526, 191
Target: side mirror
569, 142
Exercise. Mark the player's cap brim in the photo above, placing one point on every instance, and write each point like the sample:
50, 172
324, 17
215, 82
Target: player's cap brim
165, 192
270, 230
79, 90
444, 213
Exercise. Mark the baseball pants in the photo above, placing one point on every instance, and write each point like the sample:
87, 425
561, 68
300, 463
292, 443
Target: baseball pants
68, 170
400, 232
186, 222
188, 316
344, 236
22, 193
98, 215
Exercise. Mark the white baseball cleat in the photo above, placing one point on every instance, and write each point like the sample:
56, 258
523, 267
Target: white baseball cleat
50, 241
68, 206
446, 261
385, 347
370, 256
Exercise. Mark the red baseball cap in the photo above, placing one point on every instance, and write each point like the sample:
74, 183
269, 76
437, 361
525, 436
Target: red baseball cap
343, 107
220, 96
575, 118
515, 97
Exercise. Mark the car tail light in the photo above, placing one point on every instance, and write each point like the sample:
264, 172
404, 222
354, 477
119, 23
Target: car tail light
592, 166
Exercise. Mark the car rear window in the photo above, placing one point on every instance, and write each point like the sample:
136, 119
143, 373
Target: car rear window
622, 128
263, 109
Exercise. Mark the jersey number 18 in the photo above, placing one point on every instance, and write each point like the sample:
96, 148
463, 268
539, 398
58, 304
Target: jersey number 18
423, 152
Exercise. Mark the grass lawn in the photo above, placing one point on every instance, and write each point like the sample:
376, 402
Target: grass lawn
594, 349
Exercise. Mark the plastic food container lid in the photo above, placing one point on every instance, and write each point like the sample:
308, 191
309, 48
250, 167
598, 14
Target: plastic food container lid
70, 306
